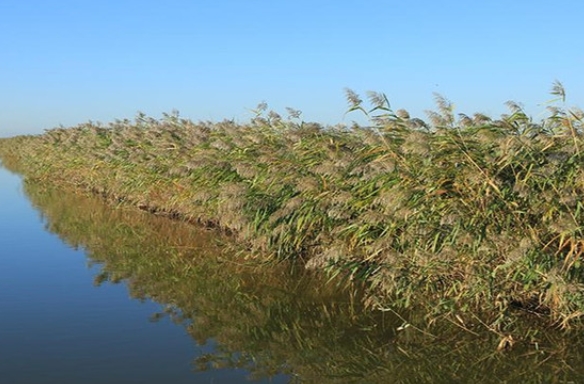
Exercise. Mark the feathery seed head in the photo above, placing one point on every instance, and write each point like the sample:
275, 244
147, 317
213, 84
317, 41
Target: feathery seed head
402, 114
352, 98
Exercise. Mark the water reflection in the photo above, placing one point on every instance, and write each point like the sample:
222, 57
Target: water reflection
274, 320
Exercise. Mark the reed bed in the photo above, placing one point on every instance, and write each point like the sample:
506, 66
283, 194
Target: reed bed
468, 219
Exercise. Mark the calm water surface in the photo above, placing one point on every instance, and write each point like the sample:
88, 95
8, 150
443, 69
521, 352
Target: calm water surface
91, 293
56, 326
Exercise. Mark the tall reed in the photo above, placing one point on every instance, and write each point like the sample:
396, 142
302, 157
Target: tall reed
469, 219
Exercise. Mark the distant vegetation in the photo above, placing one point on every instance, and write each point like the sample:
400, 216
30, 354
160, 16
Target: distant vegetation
464, 218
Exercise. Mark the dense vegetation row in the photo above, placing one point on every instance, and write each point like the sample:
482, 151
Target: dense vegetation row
465, 218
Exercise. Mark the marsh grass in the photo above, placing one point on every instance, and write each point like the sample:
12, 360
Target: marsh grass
469, 220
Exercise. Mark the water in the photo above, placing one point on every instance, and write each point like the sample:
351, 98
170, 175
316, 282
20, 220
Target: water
56, 326
91, 293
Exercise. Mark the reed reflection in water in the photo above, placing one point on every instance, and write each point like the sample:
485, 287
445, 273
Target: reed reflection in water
276, 322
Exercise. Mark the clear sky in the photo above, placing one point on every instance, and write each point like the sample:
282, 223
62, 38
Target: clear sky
70, 61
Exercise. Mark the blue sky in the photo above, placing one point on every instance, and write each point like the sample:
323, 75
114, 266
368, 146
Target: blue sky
67, 62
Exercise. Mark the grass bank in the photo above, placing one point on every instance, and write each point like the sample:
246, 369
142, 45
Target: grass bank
465, 218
